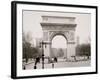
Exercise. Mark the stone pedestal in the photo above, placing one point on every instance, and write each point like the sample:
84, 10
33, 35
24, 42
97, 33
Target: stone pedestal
70, 51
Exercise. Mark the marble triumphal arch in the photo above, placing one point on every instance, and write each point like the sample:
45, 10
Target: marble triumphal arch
57, 25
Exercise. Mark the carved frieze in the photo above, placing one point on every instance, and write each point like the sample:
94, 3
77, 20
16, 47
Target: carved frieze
58, 27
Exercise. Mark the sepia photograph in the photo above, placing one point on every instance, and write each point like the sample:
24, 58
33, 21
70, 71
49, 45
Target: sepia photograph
53, 40
56, 39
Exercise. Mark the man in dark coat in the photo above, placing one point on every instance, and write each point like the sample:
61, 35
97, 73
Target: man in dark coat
36, 61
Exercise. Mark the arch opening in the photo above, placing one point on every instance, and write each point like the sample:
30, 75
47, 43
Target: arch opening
59, 41
59, 46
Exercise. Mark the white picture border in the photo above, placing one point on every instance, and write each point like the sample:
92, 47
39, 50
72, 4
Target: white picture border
21, 72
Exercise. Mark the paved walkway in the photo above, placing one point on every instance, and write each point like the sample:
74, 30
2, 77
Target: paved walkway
59, 64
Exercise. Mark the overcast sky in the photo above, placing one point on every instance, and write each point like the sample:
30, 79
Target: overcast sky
32, 19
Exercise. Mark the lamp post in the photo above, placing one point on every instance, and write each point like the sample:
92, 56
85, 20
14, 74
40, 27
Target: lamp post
42, 44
